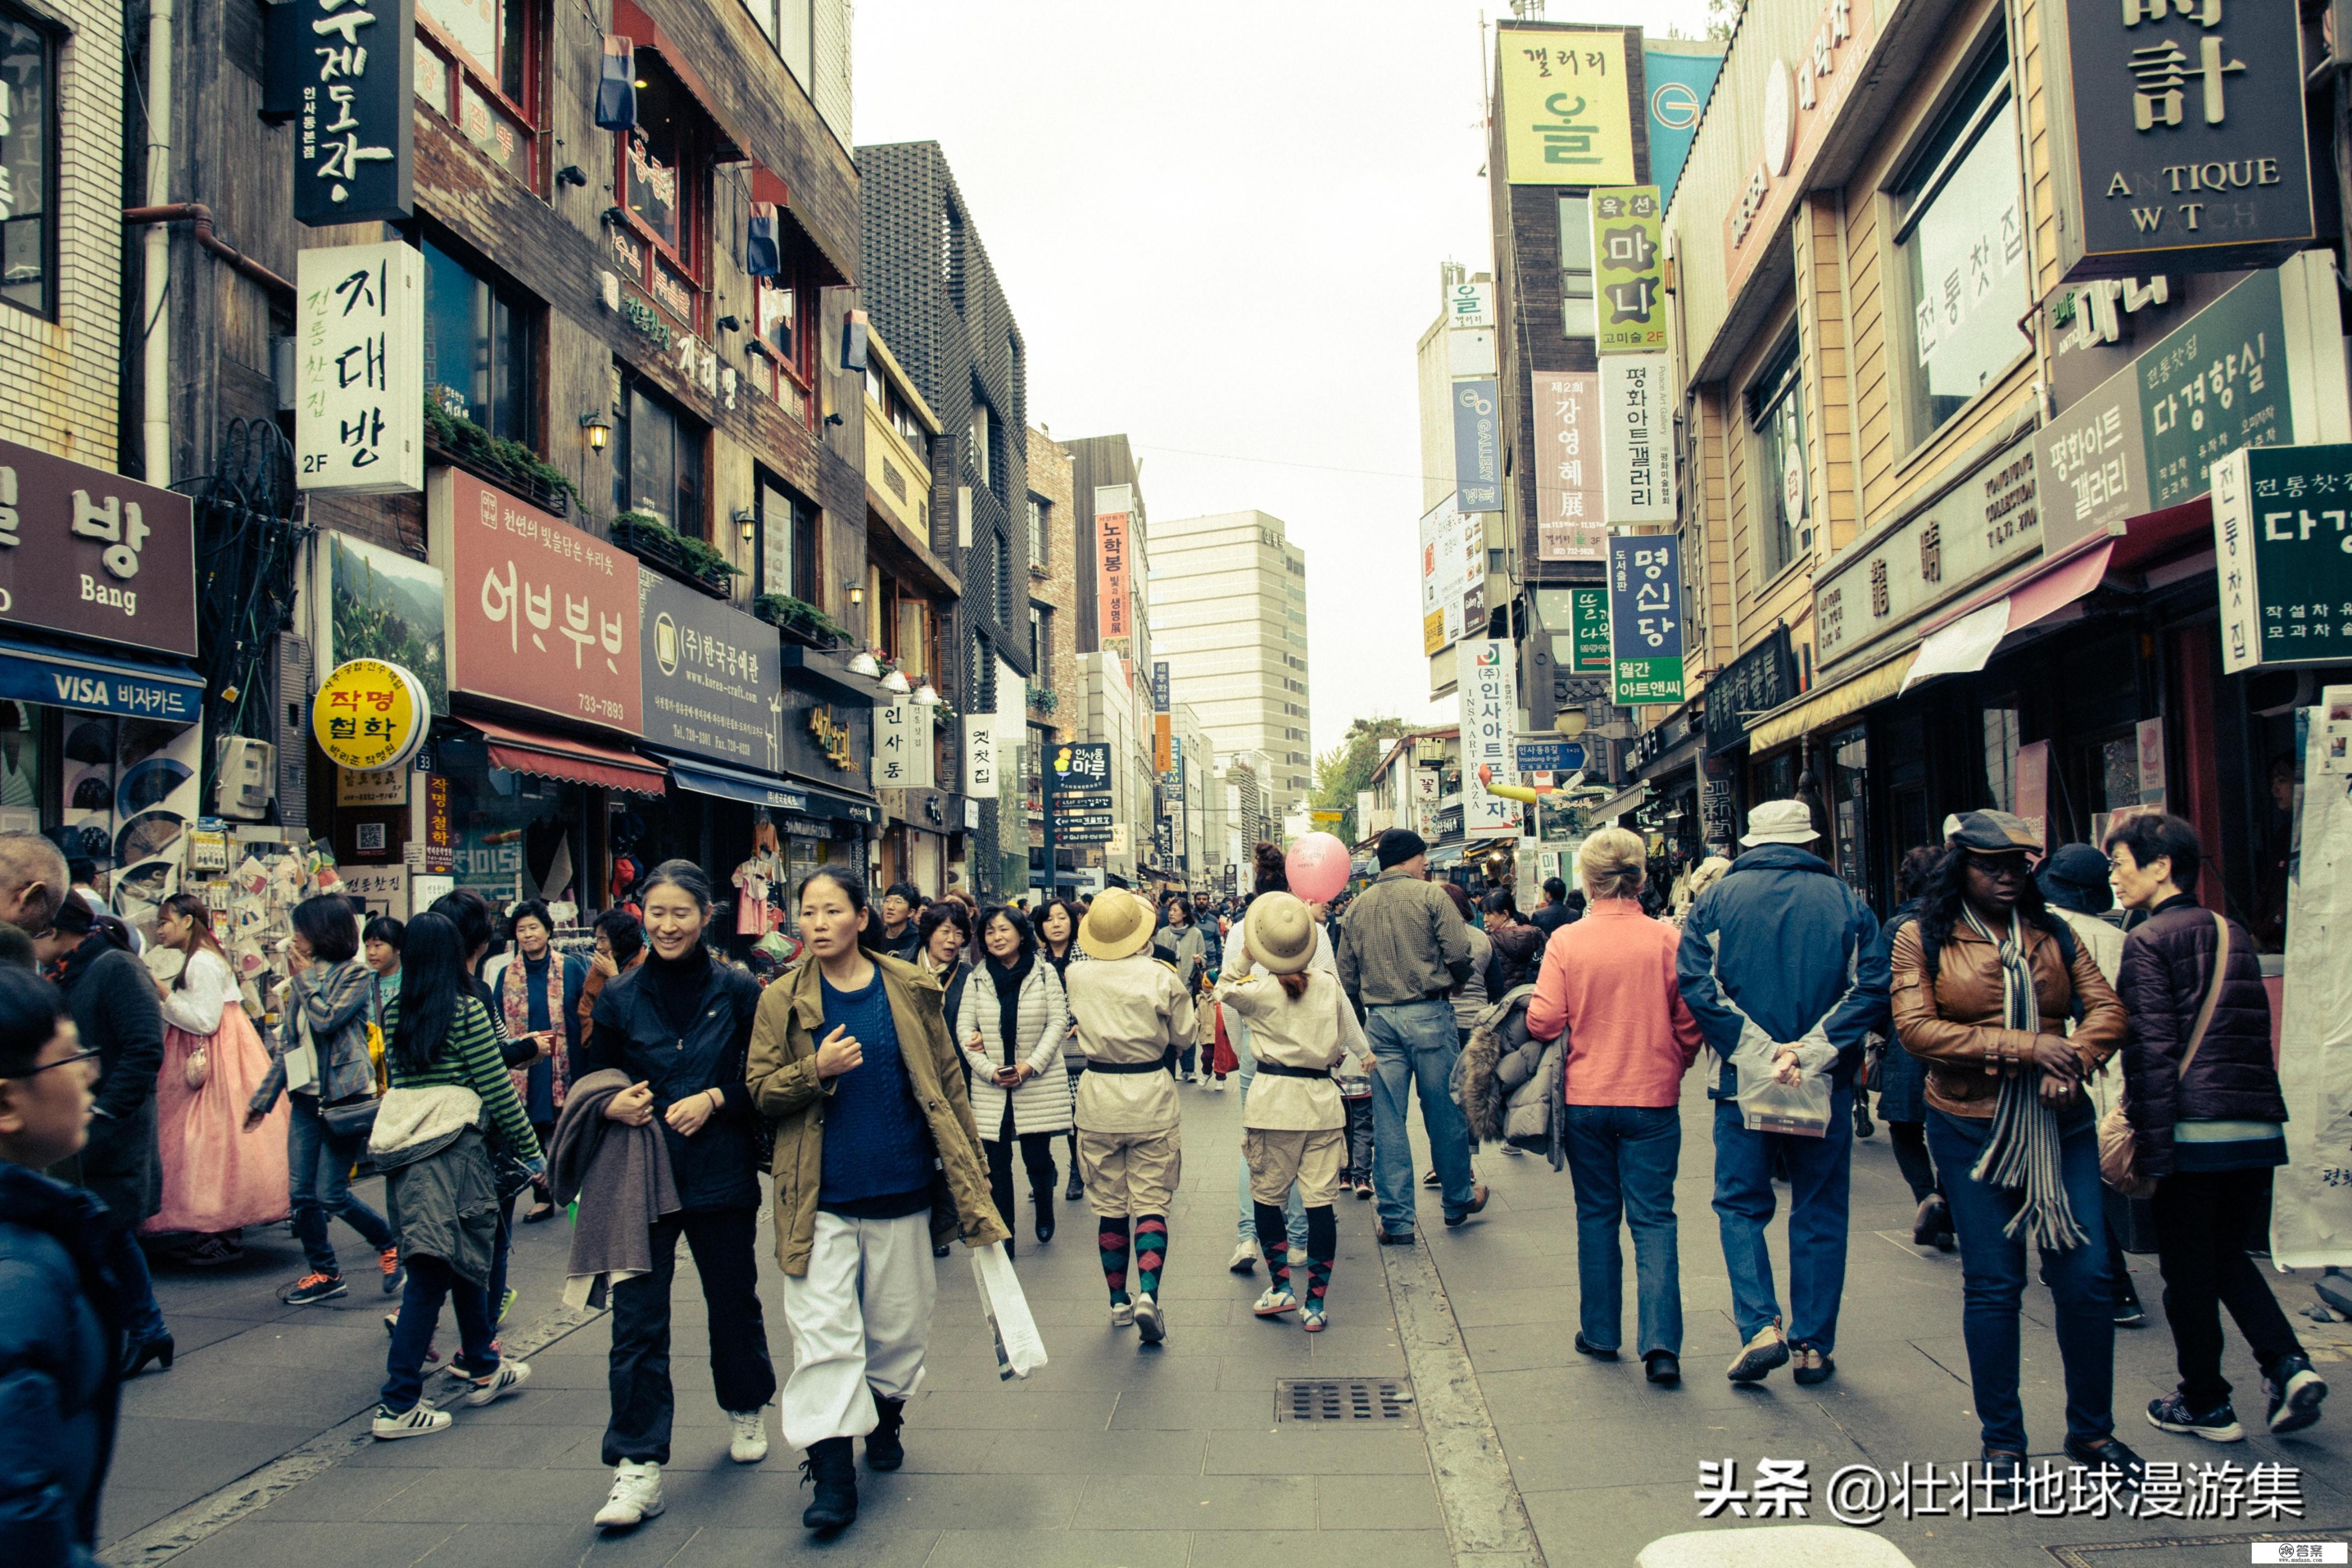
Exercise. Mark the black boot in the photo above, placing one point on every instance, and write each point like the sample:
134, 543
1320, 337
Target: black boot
884, 1451
1044, 1198
833, 1472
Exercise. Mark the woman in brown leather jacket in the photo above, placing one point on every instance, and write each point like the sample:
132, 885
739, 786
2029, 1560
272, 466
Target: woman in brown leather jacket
1983, 983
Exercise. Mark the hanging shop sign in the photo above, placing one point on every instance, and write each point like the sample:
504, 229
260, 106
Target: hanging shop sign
1567, 114
1160, 685
1477, 446
541, 615
93, 554
359, 358
348, 73
1680, 77
1078, 767
834, 738
1646, 619
1801, 95
980, 780
2181, 144
902, 747
1751, 686
2282, 547
1629, 270
1441, 577
1637, 446
1484, 674
712, 686
2093, 463
1470, 306
1568, 492
369, 716
1114, 517
374, 603
1588, 630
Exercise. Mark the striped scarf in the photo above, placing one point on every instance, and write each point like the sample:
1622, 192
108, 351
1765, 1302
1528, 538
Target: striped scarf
2022, 1151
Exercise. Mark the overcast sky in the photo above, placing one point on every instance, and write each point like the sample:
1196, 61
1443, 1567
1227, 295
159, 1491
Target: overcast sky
1220, 225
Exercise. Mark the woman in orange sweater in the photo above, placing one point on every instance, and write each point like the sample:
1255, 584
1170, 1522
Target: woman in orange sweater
1609, 980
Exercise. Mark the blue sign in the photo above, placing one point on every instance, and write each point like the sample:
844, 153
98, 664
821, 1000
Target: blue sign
1645, 618
32, 672
1477, 446
1679, 85
1550, 756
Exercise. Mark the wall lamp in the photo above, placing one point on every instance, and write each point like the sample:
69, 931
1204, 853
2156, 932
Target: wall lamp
856, 591
748, 522
599, 429
570, 174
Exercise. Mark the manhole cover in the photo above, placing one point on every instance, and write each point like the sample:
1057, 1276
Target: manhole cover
1384, 1400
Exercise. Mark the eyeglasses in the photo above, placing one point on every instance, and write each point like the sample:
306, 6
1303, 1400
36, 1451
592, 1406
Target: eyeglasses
60, 1062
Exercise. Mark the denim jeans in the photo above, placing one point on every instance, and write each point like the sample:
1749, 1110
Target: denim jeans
430, 1283
1414, 1044
1622, 1159
1245, 1224
321, 1171
1992, 1279
1819, 1172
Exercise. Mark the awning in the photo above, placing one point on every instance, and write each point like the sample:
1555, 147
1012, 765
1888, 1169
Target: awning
823, 802
1617, 805
1830, 703
544, 755
97, 683
1445, 854
1963, 645
793, 795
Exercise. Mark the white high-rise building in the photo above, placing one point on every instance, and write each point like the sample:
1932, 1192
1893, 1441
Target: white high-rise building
1228, 598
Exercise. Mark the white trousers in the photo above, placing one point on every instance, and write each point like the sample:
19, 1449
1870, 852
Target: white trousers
860, 1319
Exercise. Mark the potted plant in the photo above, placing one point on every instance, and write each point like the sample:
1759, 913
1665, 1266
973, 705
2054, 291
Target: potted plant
645, 536
509, 464
802, 622
1043, 699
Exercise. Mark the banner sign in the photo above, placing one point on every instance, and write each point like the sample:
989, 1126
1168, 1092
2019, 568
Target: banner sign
712, 688
90, 552
1477, 446
1470, 306
1079, 767
2283, 548
1489, 720
1114, 513
1637, 438
1569, 493
1548, 756
1568, 116
980, 780
1629, 271
1645, 621
903, 757
359, 361
1160, 685
1679, 84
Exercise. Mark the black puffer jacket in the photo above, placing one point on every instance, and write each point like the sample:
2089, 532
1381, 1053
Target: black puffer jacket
2166, 964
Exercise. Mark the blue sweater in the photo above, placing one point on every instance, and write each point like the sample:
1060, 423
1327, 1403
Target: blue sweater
878, 1145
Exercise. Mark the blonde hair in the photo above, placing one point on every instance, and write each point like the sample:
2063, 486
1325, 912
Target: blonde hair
1614, 863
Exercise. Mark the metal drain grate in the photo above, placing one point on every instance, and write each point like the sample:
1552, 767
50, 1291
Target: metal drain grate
1387, 1401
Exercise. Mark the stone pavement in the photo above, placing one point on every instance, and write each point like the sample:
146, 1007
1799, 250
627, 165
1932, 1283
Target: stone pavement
252, 1453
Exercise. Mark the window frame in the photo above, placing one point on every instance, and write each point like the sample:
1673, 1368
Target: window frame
527, 315
690, 257
1779, 383
530, 113
1569, 296
53, 40
635, 387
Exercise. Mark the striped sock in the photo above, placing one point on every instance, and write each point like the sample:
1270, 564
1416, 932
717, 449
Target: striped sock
1322, 1244
1274, 1240
1113, 1242
1151, 1251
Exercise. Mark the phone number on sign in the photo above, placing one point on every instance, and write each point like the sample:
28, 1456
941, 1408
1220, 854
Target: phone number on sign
603, 708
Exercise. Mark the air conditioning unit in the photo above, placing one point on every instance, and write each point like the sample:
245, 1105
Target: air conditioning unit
245, 778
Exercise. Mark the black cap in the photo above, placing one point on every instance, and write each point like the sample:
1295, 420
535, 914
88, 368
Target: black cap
1399, 845
2075, 877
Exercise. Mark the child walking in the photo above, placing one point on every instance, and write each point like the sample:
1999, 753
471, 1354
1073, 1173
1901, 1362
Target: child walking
1294, 1125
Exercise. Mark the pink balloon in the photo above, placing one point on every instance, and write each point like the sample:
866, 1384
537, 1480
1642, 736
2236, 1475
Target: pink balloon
1318, 867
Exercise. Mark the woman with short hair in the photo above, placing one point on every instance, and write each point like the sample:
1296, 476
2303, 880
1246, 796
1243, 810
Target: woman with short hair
1011, 1022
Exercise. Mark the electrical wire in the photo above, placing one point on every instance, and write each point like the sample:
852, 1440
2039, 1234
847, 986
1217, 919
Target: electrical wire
1274, 462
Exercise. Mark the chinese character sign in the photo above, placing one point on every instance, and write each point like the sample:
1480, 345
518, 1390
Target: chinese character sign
2282, 551
1477, 446
540, 614
355, 64
1645, 618
359, 356
1489, 685
712, 688
1637, 438
1629, 270
1568, 522
1567, 117
902, 747
90, 552
1114, 517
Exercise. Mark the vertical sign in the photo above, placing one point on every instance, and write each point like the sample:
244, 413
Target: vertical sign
1679, 84
1489, 718
2282, 544
1637, 446
1470, 306
359, 403
1114, 510
1477, 446
2150, 735
1588, 630
2032, 801
979, 756
1425, 796
1628, 271
1162, 743
355, 131
1441, 577
902, 747
1160, 685
1568, 117
1645, 618
1568, 497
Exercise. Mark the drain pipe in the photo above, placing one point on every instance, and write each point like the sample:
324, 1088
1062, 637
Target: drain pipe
156, 377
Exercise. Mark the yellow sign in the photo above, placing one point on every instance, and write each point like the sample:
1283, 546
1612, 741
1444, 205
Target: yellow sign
1568, 119
369, 715
1432, 631
834, 736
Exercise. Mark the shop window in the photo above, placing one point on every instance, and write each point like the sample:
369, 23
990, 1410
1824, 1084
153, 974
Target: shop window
519, 836
979, 443
478, 353
1575, 266
1849, 811
658, 466
478, 66
1959, 230
1775, 416
788, 548
2000, 733
665, 165
1041, 646
28, 137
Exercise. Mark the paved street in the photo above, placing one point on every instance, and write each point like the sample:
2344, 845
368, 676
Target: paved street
1112, 1457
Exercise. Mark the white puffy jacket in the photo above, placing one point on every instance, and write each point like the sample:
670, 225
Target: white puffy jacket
1042, 1104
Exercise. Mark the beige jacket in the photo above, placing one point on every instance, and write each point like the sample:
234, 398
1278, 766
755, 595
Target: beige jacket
1131, 1009
1307, 1033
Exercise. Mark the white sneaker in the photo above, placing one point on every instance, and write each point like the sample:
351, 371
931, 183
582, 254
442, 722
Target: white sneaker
1276, 1300
636, 1495
1244, 1259
509, 1379
749, 1445
417, 1421
1122, 1314
1150, 1327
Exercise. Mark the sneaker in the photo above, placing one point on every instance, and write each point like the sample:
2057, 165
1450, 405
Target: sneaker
1297, 1257
314, 1287
1429, 1178
1122, 1314
1814, 1366
1150, 1327
2129, 1313
1363, 1191
418, 1420
395, 1275
506, 1305
1244, 1257
1276, 1300
1759, 1355
635, 1496
2218, 1425
2296, 1391
212, 1252
747, 1441
509, 1379
1314, 1318
1513, 1149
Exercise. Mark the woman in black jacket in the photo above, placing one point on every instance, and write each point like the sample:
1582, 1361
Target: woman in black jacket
2210, 1126
679, 1026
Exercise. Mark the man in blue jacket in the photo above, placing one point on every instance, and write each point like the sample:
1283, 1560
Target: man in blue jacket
1782, 956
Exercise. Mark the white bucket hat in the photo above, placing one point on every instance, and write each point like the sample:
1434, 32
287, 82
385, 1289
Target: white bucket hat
1779, 822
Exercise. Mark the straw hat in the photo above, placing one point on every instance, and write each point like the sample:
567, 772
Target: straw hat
1119, 924
1280, 932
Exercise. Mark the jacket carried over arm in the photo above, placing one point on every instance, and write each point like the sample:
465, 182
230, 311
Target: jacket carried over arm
1954, 1022
2167, 966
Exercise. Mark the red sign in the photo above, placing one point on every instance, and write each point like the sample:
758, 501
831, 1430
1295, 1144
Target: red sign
1113, 517
1569, 494
541, 615
90, 552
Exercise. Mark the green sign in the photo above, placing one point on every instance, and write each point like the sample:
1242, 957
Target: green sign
2217, 383
1628, 271
2283, 548
1588, 620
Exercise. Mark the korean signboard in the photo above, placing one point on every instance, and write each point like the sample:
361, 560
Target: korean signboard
1114, 516
1441, 611
1629, 271
1801, 95
902, 747
713, 686
980, 771
1588, 631
1470, 306
1489, 720
359, 356
1751, 686
1568, 523
1568, 115
1680, 76
1160, 685
355, 66
1477, 446
90, 552
1646, 619
1637, 438
369, 716
539, 615
1079, 767
2282, 547
2184, 151
2093, 463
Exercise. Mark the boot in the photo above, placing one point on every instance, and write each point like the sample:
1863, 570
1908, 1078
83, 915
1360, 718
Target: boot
1044, 1198
884, 1451
832, 1469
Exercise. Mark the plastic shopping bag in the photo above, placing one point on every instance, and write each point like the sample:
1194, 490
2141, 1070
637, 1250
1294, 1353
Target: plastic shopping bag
1767, 1105
1020, 1350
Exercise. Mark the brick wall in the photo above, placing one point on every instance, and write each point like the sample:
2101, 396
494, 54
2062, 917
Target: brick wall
1050, 477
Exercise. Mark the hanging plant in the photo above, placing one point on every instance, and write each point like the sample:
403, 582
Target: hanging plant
645, 535
450, 430
799, 619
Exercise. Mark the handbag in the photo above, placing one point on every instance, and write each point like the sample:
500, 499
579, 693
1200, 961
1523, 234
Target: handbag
197, 1069
1020, 1349
353, 1116
2118, 1148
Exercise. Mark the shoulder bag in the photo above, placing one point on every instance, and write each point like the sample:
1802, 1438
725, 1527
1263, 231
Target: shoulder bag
2118, 1148
353, 1116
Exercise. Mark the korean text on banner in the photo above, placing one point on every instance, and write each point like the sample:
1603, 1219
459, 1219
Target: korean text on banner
1628, 271
90, 552
1114, 517
1477, 446
1645, 621
1568, 115
979, 756
359, 357
1489, 685
1442, 577
1637, 438
2282, 546
902, 747
1569, 493
354, 67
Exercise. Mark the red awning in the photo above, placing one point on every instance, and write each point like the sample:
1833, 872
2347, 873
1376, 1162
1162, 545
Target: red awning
2055, 587
560, 757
